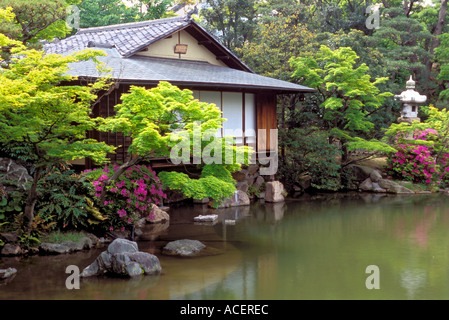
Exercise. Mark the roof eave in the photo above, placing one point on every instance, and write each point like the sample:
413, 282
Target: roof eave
277, 90
217, 44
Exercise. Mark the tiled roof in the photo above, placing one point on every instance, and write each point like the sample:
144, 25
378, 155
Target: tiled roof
148, 70
127, 38
122, 41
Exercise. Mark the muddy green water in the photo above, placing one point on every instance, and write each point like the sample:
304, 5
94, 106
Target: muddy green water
318, 248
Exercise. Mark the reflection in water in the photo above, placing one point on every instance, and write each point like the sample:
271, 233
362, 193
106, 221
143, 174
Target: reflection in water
412, 280
315, 248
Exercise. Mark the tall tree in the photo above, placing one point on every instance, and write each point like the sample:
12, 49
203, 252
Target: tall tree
434, 17
401, 39
96, 13
42, 115
165, 121
442, 59
368, 53
154, 9
36, 20
274, 43
231, 21
346, 96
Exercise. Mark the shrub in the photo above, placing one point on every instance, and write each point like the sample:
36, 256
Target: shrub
416, 160
215, 183
309, 153
414, 163
63, 195
129, 198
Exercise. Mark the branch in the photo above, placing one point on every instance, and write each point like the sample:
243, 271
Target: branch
118, 173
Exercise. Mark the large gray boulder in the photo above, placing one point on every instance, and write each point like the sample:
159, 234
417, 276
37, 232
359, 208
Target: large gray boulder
135, 263
122, 245
13, 175
123, 258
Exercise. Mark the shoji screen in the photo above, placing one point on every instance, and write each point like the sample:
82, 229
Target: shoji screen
250, 118
212, 97
232, 111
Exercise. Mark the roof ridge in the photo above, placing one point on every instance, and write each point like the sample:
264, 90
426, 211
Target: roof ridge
131, 25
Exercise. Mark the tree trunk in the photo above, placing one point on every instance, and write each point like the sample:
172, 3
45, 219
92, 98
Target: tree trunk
344, 153
437, 31
408, 6
31, 202
440, 24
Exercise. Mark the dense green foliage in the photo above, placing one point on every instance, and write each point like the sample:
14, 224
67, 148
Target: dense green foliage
346, 96
327, 45
309, 155
355, 67
215, 183
43, 117
36, 20
95, 13
231, 21
167, 121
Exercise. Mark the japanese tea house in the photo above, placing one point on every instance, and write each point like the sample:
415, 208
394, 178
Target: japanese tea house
180, 51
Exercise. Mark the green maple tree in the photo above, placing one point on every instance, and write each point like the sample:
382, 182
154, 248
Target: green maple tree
162, 118
346, 96
44, 117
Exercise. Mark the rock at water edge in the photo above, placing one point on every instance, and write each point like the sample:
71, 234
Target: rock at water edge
274, 191
185, 248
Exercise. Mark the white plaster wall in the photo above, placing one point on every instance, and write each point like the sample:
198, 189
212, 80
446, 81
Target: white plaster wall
164, 48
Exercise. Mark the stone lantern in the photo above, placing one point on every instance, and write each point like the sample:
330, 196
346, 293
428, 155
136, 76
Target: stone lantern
410, 100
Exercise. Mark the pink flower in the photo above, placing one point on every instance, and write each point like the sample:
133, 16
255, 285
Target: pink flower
121, 212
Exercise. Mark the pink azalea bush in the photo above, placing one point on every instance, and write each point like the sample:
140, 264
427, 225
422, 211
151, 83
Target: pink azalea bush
129, 198
418, 163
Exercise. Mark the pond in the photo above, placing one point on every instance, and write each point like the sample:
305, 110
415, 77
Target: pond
315, 248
